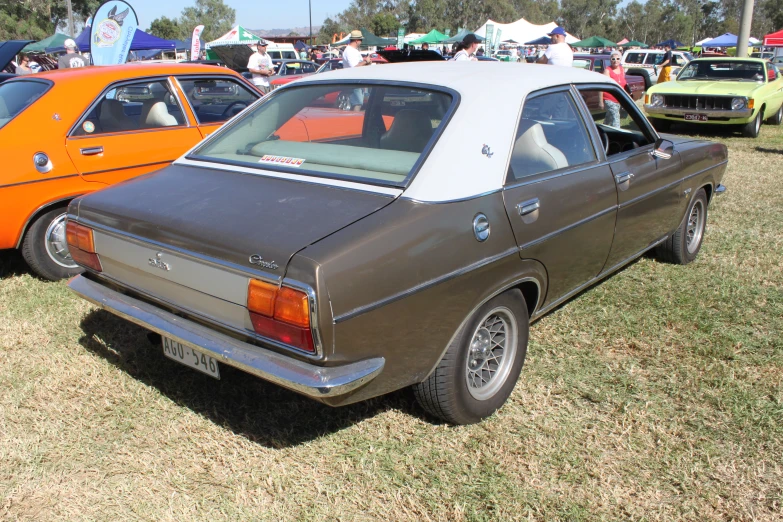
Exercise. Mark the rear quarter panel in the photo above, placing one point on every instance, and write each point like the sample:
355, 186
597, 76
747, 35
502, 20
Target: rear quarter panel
703, 164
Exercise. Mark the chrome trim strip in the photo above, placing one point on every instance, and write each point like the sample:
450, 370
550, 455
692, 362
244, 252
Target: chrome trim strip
596, 279
458, 200
423, 286
307, 379
569, 227
547, 176
38, 181
163, 163
670, 185
713, 113
482, 303
29, 219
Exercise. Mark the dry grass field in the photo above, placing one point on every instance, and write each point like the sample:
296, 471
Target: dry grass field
657, 395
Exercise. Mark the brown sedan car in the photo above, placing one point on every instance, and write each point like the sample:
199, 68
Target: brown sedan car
348, 253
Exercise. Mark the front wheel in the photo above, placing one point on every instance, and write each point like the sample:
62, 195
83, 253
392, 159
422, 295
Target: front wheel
683, 246
482, 364
45, 248
752, 129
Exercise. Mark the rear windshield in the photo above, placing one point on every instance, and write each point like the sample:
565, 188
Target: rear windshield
367, 133
16, 96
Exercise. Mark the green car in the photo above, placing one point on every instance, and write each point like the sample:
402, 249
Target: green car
723, 91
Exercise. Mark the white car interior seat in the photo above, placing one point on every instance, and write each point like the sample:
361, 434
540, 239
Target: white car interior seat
410, 131
155, 114
533, 153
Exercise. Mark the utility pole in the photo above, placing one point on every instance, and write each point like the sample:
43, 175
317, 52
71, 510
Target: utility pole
310, 4
744, 30
70, 19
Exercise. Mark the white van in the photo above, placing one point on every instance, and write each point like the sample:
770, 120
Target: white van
282, 51
644, 63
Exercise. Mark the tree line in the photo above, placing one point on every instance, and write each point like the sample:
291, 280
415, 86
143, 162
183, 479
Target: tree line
652, 21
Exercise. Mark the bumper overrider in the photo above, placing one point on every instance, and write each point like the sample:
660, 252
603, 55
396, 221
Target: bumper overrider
302, 377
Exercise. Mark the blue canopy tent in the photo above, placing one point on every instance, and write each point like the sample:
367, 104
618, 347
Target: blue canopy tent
671, 43
724, 40
141, 42
544, 40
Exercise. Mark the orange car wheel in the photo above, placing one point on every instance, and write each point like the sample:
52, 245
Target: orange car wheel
45, 249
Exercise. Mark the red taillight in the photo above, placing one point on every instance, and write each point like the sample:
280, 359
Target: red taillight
280, 313
81, 245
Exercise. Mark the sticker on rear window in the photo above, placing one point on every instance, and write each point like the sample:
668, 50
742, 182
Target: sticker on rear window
88, 126
281, 160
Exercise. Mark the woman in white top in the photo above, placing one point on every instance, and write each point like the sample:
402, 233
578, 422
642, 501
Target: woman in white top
466, 49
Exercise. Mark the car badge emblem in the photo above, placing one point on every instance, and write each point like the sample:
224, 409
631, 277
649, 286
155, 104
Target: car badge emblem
255, 259
157, 262
485, 151
56, 117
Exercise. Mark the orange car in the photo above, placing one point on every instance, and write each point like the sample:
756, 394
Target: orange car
74, 131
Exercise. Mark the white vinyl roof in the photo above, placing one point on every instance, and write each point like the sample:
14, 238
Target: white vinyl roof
491, 96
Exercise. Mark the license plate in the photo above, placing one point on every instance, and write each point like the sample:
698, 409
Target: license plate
695, 117
189, 357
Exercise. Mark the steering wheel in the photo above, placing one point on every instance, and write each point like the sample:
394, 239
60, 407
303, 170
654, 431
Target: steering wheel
227, 113
604, 139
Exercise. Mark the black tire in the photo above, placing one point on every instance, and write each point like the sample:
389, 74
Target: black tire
661, 125
753, 128
777, 119
42, 242
447, 393
683, 246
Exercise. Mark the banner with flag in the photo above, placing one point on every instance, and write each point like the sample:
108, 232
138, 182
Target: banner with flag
113, 29
195, 42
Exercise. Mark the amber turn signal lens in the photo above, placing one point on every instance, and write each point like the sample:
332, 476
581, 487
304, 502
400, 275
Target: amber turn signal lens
79, 237
646, 99
751, 103
293, 307
261, 297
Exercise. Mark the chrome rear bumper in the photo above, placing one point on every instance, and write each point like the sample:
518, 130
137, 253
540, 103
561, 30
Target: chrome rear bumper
305, 378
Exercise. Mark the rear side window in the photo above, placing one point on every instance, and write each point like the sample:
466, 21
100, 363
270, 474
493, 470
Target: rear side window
294, 68
16, 96
132, 107
635, 57
216, 100
551, 136
654, 58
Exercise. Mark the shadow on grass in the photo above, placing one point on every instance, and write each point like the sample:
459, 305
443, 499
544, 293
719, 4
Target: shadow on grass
12, 264
769, 151
705, 130
248, 406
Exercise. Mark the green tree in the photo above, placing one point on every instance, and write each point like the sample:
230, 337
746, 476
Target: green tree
166, 28
216, 17
384, 24
37, 19
328, 29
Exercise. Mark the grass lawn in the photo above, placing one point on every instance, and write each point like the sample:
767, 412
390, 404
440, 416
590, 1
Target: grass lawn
656, 395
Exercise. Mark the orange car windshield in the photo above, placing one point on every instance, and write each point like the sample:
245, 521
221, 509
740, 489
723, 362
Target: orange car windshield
367, 133
16, 96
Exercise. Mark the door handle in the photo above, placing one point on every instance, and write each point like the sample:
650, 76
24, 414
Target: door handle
92, 151
622, 178
528, 207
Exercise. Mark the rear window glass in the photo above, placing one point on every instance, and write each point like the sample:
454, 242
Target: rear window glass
635, 57
363, 133
581, 64
16, 96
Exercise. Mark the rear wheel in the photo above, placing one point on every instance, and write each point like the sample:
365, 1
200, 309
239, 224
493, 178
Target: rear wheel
45, 249
752, 129
777, 119
683, 246
482, 364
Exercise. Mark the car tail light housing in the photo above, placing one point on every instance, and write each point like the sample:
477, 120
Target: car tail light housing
81, 245
281, 313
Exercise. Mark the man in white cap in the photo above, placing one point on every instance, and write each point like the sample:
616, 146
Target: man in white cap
260, 65
71, 59
353, 58
559, 52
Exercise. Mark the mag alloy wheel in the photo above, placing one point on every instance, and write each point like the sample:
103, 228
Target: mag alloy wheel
491, 353
695, 227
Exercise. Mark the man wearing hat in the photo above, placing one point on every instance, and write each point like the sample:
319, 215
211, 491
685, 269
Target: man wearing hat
559, 52
353, 58
260, 65
71, 59
466, 49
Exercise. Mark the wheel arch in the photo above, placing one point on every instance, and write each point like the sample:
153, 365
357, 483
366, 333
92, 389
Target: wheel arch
46, 207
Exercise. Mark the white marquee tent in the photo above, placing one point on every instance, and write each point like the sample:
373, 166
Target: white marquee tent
522, 31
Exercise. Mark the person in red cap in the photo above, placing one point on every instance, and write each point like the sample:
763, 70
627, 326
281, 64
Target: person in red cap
559, 52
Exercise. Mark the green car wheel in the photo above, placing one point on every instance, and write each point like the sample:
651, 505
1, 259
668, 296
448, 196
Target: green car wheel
752, 129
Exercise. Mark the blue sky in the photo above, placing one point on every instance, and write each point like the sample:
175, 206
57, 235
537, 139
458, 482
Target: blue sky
251, 14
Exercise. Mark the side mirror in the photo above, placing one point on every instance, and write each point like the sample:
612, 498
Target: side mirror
663, 149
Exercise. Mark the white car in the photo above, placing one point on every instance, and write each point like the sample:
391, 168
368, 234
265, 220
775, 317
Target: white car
644, 62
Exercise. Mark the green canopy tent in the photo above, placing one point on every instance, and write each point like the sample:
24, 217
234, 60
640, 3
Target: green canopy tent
369, 40
635, 43
594, 41
460, 36
432, 37
56, 40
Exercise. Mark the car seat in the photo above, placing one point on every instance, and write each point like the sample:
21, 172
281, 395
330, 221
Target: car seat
533, 153
410, 131
112, 117
154, 113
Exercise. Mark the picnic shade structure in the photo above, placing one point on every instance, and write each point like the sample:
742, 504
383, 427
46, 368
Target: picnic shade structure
369, 40
774, 39
56, 40
461, 36
544, 40
141, 42
509, 42
623, 41
634, 43
432, 37
594, 41
724, 40
238, 35
671, 43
